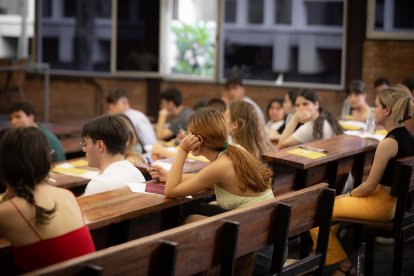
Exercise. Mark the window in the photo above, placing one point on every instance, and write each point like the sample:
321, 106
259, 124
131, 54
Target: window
190, 34
390, 19
137, 36
283, 41
75, 35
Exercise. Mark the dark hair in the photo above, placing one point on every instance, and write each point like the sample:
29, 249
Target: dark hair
22, 106
233, 81
380, 81
172, 95
217, 104
293, 93
110, 129
25, 160
115, 95
275, 100
311, 95
356, 86
409, 83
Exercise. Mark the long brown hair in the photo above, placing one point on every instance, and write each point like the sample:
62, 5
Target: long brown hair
25, 160
311, 95
250, 132
251, 173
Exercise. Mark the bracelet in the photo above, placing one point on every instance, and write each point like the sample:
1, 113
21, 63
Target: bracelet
183, 148
350, 193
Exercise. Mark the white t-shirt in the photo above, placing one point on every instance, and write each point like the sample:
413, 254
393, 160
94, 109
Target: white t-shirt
115, 176
304, 133
142, 125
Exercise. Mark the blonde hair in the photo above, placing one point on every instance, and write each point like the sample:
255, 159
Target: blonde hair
251, 173
399, 100
250, 132
130, 150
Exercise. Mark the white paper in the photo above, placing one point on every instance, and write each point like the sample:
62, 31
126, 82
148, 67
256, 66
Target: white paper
378, 137
165, 165
65, 165
137, 187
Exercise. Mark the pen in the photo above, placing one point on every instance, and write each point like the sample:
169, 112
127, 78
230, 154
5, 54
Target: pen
150, 165
313, 149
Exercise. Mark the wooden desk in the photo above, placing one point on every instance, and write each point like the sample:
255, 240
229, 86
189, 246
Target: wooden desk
190, 166
344, 154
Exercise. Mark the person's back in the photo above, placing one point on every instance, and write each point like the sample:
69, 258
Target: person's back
47, 225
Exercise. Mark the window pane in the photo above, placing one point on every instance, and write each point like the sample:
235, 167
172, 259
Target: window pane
304, 44
255, 11
74, 36
137, 35
190, 48
394, 15
230, 11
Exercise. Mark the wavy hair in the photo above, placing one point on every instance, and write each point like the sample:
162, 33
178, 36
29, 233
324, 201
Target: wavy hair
251, 173
399, 100
250, 133
25, 160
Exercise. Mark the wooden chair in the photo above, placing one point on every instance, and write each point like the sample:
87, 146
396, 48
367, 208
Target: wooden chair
403, 218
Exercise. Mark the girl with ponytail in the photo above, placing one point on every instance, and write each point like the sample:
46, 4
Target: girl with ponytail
44, 223
372, 199
238, 177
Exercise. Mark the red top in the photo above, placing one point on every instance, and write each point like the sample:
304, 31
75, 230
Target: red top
54, 250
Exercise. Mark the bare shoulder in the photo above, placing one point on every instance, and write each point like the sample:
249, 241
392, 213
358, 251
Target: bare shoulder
387, 147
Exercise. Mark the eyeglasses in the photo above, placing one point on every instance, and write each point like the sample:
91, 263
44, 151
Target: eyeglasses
83, 144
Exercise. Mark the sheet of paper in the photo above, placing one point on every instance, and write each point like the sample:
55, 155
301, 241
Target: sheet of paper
352, 125
69, 170
79, 163
307, 153
137, 187
165, 165
65, 165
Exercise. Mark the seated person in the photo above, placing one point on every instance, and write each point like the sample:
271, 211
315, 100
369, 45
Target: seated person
246, 129
118, 102
22, 115
235, 91
317, 123
104, 141
372, 200
380, 84
44, 223
239, 178
171, 105
133, 147
276, 116
356, 96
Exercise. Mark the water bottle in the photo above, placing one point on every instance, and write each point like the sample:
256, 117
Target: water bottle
346, 109
370, 123
361, 260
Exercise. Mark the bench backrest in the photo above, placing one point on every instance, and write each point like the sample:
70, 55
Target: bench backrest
198, 246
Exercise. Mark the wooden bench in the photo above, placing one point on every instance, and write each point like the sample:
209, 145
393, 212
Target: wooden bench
198, 246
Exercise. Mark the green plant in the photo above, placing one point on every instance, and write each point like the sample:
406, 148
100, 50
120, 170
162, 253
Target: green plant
196, 52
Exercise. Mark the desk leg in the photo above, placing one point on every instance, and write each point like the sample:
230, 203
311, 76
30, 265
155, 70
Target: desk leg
300, 179
332, 173
358, 168
171, 217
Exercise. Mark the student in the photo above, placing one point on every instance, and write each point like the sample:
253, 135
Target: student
22, 115
239, 179
171, 105
317, 123
217, 104
246, 129
372, 200
356, 97
380, 84
289, 105
118, 102
133, 147
276, 116
104, 140
44, 223
236, 91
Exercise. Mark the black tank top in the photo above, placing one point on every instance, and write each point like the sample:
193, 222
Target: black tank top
405, 148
